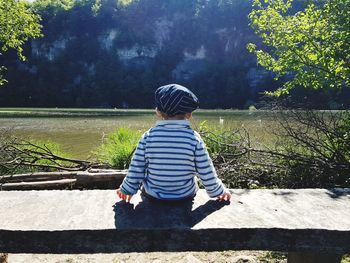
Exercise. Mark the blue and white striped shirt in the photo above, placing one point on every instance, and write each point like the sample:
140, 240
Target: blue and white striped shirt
166, 161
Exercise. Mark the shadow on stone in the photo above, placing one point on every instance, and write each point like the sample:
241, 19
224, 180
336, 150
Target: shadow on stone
337, 192
286, 195
151, 214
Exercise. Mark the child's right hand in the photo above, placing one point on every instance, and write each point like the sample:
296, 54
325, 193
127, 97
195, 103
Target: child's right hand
123, 196
224, 197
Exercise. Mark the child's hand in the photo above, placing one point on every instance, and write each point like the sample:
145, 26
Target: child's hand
123, 196
224, 197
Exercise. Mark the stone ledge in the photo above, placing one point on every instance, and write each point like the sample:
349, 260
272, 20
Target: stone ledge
114, 241
93, 222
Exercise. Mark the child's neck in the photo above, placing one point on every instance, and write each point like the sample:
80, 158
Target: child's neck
174, 118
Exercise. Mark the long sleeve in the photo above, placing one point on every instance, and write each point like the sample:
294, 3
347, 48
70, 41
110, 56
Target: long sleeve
206, 171
137, 169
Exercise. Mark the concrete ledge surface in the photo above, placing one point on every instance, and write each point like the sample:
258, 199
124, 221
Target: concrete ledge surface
96, 222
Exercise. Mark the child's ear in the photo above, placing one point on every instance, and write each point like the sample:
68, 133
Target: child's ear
159, 114
188, 115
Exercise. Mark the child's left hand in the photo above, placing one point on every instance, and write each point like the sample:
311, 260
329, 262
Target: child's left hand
123, 196
226, 196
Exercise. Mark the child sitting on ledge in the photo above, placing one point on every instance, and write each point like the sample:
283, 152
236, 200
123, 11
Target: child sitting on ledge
171, 154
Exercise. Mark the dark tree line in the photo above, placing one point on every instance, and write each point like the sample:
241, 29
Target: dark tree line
107, 53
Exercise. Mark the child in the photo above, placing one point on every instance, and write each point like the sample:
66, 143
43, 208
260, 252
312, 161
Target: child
170, 154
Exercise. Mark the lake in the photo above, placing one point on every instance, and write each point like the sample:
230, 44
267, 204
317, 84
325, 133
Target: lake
79, 131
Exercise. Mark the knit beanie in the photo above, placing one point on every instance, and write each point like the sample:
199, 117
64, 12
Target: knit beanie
174, 99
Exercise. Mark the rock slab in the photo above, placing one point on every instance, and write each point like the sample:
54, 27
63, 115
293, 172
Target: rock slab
96, 222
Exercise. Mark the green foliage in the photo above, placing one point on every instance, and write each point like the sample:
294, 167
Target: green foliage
2, 80
54, 4
346, 259
125, 2
17, 24
310, 47
118, 148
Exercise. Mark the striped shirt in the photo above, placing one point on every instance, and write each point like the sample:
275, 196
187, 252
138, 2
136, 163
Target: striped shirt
166, 161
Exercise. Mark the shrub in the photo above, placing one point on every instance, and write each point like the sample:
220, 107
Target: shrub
219, 141
316, 149
312, 151
118, 148
228, 150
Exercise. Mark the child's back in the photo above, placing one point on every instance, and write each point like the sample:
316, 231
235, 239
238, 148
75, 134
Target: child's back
170, 154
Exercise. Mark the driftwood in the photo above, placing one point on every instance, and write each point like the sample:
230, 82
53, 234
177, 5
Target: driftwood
16, 153
59, 180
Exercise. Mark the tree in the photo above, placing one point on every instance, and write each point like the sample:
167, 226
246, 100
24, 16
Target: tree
311, 48
17, 25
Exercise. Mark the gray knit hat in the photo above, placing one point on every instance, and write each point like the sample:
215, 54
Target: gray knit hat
174, 99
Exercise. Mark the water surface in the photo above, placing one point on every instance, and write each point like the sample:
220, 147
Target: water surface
80, 135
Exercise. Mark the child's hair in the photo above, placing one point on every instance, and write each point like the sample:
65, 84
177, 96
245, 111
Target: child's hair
167, 116
174, 100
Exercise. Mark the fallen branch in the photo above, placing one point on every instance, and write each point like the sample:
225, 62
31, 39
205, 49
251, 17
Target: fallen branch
64, 183
37, 176
19, 153
59, 180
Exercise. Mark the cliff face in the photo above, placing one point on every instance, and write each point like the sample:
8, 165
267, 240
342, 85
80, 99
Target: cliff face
104, 56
